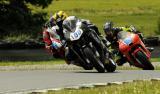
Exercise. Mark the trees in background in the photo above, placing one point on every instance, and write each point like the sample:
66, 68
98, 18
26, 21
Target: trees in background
16, 18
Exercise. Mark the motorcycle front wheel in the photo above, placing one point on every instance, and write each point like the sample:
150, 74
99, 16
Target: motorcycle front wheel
110, 66
99, 66
142, 58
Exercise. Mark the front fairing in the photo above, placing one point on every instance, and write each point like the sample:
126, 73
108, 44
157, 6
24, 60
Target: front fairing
76, 35
125, 41
125, 37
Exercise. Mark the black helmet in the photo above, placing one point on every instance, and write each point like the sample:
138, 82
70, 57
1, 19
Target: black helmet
108, 27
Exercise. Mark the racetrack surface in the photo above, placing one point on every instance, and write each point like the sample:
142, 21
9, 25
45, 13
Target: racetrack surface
21, 81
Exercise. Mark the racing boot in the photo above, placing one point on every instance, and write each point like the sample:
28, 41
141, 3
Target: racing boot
120, 62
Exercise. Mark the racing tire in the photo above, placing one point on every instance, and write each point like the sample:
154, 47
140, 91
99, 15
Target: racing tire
110, 67
99, 66
85, 66
143, 60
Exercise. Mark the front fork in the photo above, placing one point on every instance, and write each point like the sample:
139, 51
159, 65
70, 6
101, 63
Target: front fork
98, 45
94, 50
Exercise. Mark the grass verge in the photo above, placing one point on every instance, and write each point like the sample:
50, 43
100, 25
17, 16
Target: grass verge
155, 59
49, 62
19, 63
137, 87
58, 64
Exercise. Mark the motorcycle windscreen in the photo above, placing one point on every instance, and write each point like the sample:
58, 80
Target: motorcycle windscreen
125, 37
128, 40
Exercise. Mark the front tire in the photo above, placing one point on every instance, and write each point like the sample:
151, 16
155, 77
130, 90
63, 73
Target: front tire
110, 66
99, 66
85, 65
144, 61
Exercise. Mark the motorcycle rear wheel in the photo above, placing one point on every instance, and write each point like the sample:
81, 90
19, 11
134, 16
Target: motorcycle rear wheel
143, 60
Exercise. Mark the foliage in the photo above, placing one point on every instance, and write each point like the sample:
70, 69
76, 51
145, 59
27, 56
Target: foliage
16, 18
29, 15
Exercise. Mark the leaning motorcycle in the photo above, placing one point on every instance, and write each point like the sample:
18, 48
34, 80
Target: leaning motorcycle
87, 46
57, 47
134, 50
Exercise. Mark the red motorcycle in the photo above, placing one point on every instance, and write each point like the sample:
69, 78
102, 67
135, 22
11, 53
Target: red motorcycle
134, 50
51, 37
57, 48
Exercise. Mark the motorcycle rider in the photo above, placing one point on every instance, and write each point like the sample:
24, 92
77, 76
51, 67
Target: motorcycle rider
57, 19
111, 35
52, 41
53, 30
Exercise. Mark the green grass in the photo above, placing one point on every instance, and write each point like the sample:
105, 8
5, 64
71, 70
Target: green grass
155, 59
138, 87
40, 64
17, 38
141, 13
54, 61
20, 63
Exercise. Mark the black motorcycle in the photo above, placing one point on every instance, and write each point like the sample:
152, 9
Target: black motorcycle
89, 49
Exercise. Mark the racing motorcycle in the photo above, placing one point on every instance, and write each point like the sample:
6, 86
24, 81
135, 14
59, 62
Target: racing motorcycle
57, 47
88, 48
134, 50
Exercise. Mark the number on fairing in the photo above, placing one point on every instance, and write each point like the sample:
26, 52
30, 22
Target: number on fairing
76, 35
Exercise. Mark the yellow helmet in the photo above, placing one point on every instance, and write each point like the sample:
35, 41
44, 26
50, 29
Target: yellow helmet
60, 16
126, 28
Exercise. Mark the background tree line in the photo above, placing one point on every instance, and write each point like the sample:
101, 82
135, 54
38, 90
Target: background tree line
16, 18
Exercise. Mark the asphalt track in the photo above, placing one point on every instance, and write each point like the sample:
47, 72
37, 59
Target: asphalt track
21, 81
